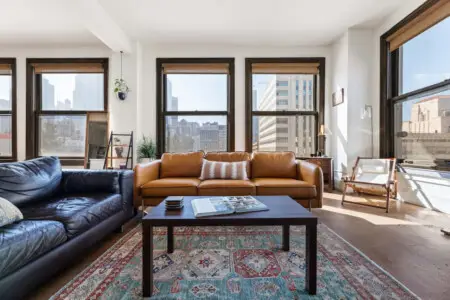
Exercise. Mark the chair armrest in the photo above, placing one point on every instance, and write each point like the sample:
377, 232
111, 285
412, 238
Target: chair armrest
311, 174
144, 173
90, 181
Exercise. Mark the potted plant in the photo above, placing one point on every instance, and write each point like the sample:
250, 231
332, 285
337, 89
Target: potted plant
146, 150
121, 88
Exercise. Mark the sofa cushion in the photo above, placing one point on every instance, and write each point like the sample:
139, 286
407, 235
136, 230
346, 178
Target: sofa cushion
25, 241
274, 165
177, 186
284, 186
181, 164
78, 213
29, 181
90, 181
224, 170
220, 187
231, 157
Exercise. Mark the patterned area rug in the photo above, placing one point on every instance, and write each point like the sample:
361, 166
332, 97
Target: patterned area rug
234, 263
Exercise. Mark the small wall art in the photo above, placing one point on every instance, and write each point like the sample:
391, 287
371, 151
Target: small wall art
338, 97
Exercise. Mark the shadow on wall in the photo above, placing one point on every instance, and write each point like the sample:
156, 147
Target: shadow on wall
341, 157
426, 188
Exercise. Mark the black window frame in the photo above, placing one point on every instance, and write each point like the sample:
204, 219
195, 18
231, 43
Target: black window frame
13, 111
161, 105
318, 97
391, 82
34, 104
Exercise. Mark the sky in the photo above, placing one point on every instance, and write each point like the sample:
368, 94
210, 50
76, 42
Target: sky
426, 61
64, 85
5, 87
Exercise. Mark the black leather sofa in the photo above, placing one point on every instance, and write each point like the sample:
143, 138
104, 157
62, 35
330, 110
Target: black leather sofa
65, 212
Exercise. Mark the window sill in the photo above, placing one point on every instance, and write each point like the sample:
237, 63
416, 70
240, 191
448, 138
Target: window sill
7, 159
422, 170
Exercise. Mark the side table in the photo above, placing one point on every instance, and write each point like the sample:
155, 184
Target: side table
326, 163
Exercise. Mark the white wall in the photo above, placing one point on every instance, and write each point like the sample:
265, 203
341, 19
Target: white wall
360, 83
148, 109
352, 70
338, 124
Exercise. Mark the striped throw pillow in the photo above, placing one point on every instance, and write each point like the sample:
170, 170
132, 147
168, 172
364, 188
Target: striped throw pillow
224, 170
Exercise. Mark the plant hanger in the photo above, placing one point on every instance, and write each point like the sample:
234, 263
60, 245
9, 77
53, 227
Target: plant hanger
120, 85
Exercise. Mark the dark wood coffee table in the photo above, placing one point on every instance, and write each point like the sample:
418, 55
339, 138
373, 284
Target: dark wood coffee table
283, 211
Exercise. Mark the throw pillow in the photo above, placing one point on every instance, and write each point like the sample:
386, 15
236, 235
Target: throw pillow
224, 170
9, 213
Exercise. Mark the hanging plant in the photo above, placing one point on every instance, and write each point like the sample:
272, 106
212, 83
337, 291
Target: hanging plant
121, 88
120, 85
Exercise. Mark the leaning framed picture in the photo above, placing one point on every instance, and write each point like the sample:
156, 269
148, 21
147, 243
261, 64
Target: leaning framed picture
338, 97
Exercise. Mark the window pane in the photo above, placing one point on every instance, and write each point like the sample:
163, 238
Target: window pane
283, 92
286, 133
426, 59
62, 135
5, 135
192, 133
72, 92
191, 92
422, 133
5, 92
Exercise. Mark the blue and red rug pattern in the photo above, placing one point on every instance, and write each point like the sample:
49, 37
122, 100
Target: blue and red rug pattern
234, 263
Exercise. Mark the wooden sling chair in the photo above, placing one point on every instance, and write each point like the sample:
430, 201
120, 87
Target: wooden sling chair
374, 176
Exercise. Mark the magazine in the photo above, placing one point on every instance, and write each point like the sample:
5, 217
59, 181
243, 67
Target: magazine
215, 206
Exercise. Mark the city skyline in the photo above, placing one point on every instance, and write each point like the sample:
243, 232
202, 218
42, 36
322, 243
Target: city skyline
425, 137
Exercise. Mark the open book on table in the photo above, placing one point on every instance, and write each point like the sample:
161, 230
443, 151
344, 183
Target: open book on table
214, 206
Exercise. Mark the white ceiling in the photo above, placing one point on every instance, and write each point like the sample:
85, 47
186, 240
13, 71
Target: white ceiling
245, 22
28, 22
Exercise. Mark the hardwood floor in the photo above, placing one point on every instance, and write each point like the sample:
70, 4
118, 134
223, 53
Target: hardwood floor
407, 243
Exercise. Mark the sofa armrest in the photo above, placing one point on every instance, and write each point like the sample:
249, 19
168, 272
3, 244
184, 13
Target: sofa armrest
126, 181
312, 174
90, 181
144, 173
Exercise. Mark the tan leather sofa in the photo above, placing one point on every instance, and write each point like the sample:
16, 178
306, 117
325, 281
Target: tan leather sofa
269, 173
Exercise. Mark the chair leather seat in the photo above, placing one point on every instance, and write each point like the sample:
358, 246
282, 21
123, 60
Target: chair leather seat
78, 213
25, 241
222, 187
175, 186
284, 186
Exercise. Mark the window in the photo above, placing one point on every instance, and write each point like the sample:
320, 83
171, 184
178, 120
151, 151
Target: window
64, 90
424, 59
8, 145
416, 88
196, 104
277, 120
283, 93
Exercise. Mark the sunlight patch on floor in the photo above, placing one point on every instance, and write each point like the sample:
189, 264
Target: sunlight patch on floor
374, 219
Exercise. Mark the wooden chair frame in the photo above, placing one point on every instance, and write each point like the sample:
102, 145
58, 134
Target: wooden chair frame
390, 185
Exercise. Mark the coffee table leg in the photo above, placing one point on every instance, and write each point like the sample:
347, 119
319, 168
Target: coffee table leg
285, 237
311, 259
169, 239
147, 260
